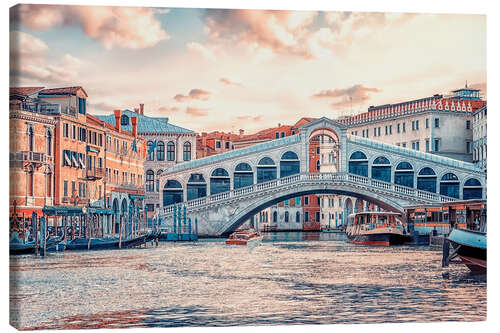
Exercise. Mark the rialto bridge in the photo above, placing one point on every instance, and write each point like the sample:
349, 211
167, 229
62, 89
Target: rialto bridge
223, 191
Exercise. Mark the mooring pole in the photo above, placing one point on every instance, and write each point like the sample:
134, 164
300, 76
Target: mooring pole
446, 253
43, 235
175, 220
179, 220
34, 223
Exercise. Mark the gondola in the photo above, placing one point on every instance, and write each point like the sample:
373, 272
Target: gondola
30, 247
110, 243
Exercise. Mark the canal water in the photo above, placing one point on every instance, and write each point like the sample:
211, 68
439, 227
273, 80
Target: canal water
291, 278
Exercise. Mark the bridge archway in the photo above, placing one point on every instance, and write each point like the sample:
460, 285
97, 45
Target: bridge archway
250, 210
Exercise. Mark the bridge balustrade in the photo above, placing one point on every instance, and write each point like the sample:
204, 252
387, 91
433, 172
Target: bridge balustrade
297, 178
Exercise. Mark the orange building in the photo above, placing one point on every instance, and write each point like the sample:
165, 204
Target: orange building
92, 164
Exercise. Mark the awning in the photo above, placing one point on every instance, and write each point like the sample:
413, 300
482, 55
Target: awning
136, 196
62, 211
92, 149
93, 210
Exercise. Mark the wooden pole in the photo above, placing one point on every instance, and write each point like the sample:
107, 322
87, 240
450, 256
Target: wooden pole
120, 236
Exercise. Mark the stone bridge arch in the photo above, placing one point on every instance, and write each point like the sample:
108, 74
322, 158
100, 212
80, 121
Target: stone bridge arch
227, 218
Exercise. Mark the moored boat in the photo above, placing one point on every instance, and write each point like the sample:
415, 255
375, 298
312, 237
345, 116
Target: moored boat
332, 229
247, 237
468, 236
376, 228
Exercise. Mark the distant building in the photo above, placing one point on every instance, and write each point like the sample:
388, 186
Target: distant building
437, 124
479, 141
167, 144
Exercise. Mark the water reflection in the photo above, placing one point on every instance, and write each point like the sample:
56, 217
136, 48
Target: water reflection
292, 278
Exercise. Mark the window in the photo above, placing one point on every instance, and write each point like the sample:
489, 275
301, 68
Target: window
374, 131
403, 144
66, 130
358, 164
306, 201
124, 121
404, 127
436, 122
150, 151
436, 145
219, 181
467, 148
426, 122
266, 170
31, 138
287, 202
187, 151
426, 180
170, 151
467, 124
74, 132
297, 201
150, 178
317, 216
416, 125
65, 188
413, 125
275, 217
160, 151
82, 105
277, 135
282, 134
297, 217
381, 169
450, 186
399, 128
243, 175
227, 145
286, 216
427, 145
390, 129
404, 174
386, 130
306, 217
217, 144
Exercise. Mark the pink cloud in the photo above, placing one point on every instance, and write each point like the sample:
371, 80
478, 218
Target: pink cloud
255, 118
196, 112
279, 30
168, 109
29, 64
355, 95
225, 80
126, 27
198, 94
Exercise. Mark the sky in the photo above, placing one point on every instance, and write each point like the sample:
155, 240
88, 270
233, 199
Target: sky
218, 69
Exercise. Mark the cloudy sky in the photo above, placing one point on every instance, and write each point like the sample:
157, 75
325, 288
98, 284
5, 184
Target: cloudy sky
229, 69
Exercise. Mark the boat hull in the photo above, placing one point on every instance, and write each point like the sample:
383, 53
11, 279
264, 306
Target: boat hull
252, 242
380, 239
471, 248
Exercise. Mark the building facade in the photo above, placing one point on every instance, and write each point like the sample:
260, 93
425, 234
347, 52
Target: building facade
95, 165
438, 124
479, 141
166, 145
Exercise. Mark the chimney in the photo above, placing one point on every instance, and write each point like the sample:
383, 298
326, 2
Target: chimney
136, 110
242, 132
279, 124
134, 126
118, 116
142, 109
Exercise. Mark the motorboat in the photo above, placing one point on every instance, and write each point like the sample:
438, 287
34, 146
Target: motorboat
376, 228
246, 237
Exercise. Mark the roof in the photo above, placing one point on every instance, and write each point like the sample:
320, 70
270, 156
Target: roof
62, 91
25, 91
145, 124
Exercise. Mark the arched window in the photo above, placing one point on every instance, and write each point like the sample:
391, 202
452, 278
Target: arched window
151, 151
472, 189
426, 180
160, 151
124, 120
172, 192
289, 164
381, 169
404, 174
157, 181
219, 181
170, 151
450, 186
196, 187
31, 139
297, 217
243, 175
275, 217
187, 151
266, 170
150, 181
358, 164
49, 143
48, 189
318, 165
286, 216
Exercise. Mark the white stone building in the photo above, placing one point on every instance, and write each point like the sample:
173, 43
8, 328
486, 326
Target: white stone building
479, 133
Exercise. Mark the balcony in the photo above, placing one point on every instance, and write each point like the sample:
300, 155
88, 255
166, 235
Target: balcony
26, 157
94, 174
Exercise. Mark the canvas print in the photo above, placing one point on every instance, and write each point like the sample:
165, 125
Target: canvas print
232, 167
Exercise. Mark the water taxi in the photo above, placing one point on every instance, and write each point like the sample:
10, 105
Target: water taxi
376, 228
468, 236
246, 237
